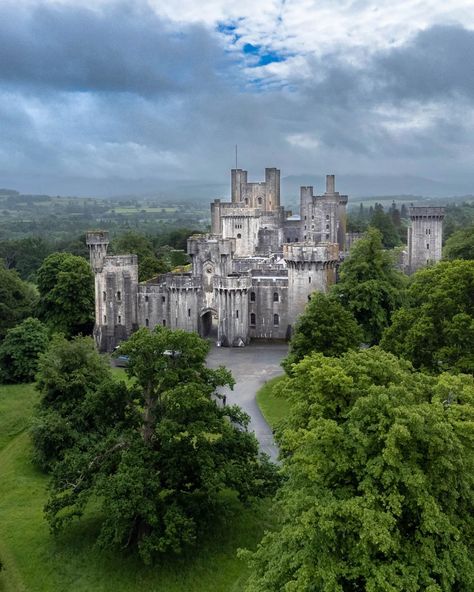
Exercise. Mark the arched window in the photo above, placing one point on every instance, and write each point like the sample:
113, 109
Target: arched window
252, 296
119, 295
276, 298
146, 298
239, 235
252, 318
259, 200
276, 319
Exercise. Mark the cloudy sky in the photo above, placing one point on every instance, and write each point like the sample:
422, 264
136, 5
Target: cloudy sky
102, 95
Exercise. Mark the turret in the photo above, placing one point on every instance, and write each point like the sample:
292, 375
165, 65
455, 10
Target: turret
97, 241
425, 236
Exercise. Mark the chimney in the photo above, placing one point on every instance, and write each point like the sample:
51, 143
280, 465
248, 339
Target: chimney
330, 184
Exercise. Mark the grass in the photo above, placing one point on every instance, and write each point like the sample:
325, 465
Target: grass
35, 561
273, 408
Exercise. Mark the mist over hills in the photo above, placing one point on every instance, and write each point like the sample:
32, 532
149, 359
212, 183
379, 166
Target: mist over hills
356, 186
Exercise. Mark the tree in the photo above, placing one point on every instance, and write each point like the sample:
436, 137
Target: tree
17, 299
370, 286
70, 374
460, 245
326, 327
162, 470
20, 350
435, 328
384, 223
379, 488
66, 287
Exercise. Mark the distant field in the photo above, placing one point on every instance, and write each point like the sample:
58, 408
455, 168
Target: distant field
35, 561
134, 210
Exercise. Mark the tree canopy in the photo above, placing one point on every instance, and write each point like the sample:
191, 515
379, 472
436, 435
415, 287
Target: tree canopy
370, 286
435, 328
326, 327
20, 350
460, 245
17, 299
166, 465
66, 286
378, 494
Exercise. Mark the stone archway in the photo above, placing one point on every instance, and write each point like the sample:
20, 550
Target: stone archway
208, 324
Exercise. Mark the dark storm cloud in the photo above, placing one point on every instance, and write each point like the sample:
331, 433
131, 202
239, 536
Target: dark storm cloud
123, 48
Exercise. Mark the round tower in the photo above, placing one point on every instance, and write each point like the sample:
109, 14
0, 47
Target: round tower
310, 269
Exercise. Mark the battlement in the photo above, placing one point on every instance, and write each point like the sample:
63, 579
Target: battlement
425, 212
97, 237
237, 282
307, 252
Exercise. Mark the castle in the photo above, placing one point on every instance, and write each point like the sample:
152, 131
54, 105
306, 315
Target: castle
250, 278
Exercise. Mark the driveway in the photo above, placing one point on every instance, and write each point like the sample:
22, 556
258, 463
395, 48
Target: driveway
251, 367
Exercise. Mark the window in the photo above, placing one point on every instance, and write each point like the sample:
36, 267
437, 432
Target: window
327, 217
119, 295
104, 295
189, 312
105, 319
252, 318
146, 298
239, 235
312, 217
309, 297
252, 296
119, 320
276, 319
236, 314
147, 323
259, 201
164, 322
327, 226
276, 298
163, 299
309, 280
427, 245
327, 235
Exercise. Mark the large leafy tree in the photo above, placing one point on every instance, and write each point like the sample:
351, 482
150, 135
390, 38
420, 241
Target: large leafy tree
169, 463
17, 299
66, 286
385, 224
435, 328
370, 286
20, 350
460, 245
379, 489
326, 327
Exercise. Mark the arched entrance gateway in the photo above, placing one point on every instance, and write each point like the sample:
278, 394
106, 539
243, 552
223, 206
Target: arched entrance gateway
208, 324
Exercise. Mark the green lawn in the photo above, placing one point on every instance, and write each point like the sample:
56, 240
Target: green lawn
273, 408
35, 561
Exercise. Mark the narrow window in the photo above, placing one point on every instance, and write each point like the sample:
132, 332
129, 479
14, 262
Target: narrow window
427, 245
163, 299
146, 298
309, 280
119, 320
327, 226
104, 295
164, 322
312, 217
259, 201
327, 217
276, 298
105, 319
252, 318
252, 296
236, 314
239, 235
189, 312
147, 323
276, 319
327, 235
119, 295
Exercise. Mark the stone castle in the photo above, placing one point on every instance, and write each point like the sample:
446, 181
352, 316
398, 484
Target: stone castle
250, 278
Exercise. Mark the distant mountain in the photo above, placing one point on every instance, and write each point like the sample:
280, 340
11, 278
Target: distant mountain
374, 185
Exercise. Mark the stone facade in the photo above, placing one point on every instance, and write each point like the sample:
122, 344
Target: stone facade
251, 277
425, 237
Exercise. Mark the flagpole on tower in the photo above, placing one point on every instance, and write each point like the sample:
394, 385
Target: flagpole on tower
236, 156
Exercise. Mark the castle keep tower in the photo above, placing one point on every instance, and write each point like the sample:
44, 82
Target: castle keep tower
425, 236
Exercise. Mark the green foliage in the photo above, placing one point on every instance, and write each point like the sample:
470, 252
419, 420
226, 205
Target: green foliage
17, 299
370, 286
34, 561
69, 379
435, 328
20, 349
66, 286
162, 467
385, 224
457, 217
460, 245
379, 489
326, 327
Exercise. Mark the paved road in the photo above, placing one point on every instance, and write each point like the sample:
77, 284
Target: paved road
251, 367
